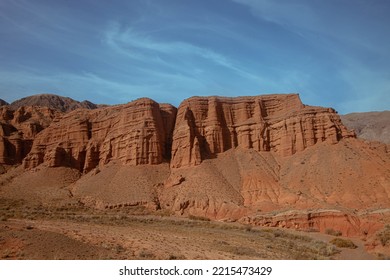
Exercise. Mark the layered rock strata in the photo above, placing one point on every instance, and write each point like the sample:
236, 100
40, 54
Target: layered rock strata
207, 126
136, 133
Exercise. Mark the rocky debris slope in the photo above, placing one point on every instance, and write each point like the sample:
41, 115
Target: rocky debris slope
207, 126
349, 176
135, 133
18, 129
373, 126
52, 101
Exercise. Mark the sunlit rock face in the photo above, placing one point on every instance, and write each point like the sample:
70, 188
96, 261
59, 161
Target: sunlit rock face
207, 126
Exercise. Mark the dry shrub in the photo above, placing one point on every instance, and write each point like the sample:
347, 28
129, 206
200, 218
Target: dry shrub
198, 218
343, 243
333, 232
384, 236
145, 254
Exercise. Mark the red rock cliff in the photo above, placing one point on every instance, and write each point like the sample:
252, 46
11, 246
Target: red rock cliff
207, 126
135, 133
18, 129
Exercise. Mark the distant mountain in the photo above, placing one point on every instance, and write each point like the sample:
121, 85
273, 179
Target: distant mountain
52, 101
373, 126
2, 102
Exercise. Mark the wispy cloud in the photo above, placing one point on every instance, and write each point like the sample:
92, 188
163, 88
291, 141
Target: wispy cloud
92, 86
77, 86
286, 13
169, 50
144, 47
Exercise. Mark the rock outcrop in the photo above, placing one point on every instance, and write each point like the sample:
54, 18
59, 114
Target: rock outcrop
18, 129
136, 133
346, 224
52, 101
207, 126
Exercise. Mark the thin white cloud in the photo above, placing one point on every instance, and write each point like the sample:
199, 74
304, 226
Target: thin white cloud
77, 86
286, 13
88, 85
136, 45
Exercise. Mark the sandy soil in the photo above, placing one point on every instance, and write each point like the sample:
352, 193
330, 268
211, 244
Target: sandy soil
119, 236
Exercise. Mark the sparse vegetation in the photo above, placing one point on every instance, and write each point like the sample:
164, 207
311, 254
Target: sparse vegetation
384, 236
198, 218
383, 256
343, 243
145, 254
174, 257
248, 228
333, 232
210, 239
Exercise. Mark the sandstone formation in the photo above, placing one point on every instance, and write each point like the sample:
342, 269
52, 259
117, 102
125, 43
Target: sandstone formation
347, 224
263, 160
135, 133
323, 176
52, 101
373, 126
207, 126
18, 129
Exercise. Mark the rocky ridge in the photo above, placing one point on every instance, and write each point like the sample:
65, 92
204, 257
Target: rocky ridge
3, 102
136, 133
52, 101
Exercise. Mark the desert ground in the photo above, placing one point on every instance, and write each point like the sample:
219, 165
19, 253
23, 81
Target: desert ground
73, 232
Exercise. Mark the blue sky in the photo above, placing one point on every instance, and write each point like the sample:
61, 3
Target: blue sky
335, 53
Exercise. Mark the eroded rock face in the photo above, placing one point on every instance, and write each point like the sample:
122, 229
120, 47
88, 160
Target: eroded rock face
18, 129
319, 220
207, 126
136, 133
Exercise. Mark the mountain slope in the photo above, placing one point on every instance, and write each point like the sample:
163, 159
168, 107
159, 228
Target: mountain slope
52, 101
373, 126
2, 102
